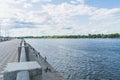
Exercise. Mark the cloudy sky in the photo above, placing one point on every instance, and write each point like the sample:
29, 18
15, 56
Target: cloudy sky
59, 17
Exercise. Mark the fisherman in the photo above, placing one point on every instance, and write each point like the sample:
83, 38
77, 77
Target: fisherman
39, 54
46, 69
45, 59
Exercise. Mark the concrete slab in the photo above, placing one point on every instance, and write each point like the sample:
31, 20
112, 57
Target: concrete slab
21, 66
16, 70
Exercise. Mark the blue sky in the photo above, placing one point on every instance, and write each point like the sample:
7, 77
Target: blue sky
104, 3
59, 17
95, 3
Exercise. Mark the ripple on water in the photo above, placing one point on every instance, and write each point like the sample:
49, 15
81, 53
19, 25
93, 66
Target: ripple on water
82, 59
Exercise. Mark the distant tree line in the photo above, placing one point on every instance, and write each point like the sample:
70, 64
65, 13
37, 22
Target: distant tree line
116, 35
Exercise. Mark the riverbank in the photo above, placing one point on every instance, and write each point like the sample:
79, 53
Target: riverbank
116, 35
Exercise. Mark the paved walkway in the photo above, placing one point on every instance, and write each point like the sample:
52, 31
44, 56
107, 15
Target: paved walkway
8, 53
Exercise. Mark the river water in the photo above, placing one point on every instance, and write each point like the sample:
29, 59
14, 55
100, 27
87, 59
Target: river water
82, 59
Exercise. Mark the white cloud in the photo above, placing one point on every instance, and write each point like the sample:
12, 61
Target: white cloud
8, 12
66, 9
26, 5
51, 19
34, 1
13, 1
73, 2
104, 13
19, 1
81, 1
77, 1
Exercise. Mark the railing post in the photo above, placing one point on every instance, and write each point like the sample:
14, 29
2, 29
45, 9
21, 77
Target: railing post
27, 52
19, 53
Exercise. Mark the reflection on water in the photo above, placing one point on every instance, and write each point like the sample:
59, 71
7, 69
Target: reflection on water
82, 59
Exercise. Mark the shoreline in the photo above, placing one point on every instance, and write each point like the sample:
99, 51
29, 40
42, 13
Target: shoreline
93, 36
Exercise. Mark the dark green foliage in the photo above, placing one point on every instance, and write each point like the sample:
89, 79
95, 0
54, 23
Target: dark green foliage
116, 35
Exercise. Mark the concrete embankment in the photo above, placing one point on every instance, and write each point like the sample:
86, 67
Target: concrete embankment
8, 53
48, 72
33, 65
